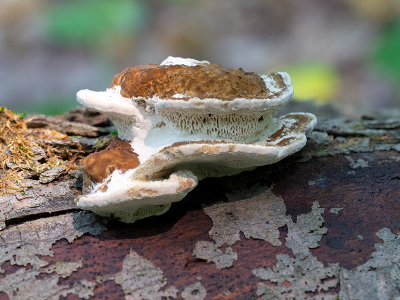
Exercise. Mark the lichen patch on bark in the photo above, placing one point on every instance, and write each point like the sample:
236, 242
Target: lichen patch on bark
140, 279
27, 284
26, 243
211, 253
258, 217
379, 277
195, 291
298, 277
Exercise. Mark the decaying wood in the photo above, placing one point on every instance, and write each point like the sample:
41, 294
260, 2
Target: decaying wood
320, 224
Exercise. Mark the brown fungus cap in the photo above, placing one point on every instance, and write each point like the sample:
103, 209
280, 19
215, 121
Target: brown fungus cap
201, 81
117, 156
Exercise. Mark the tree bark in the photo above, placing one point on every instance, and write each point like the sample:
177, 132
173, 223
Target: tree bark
320, 224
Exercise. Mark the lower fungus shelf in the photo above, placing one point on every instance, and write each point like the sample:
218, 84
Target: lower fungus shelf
130, 200
170, 174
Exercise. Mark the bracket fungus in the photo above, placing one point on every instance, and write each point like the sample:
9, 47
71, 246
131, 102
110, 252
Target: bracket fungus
182, 121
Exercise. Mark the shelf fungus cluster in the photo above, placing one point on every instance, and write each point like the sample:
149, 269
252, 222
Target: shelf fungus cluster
179, 122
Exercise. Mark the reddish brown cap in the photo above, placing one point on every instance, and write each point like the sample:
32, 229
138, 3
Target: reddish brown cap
117, 156
201, 81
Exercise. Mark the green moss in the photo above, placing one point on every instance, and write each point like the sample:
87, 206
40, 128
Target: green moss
386, 56
89, 22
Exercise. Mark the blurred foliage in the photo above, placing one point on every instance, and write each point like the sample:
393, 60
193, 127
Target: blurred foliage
89, 22
92, 39
177, 1
314, 81
387, 53
52, 106
376, 10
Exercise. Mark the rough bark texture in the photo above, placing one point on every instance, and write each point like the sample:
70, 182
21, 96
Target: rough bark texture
320, 224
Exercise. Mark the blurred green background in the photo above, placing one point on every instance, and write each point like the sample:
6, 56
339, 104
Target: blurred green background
336, 51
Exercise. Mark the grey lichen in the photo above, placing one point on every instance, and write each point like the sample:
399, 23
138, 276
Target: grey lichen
64, 269
258, 217
379, 277
195, 291
320, 138
25, 243
386, 254
29, 242
25, 284
211, 253
321, 181
140, 279
304, 277
306, 232
358, 163
301, 276
296, 278
335, 210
